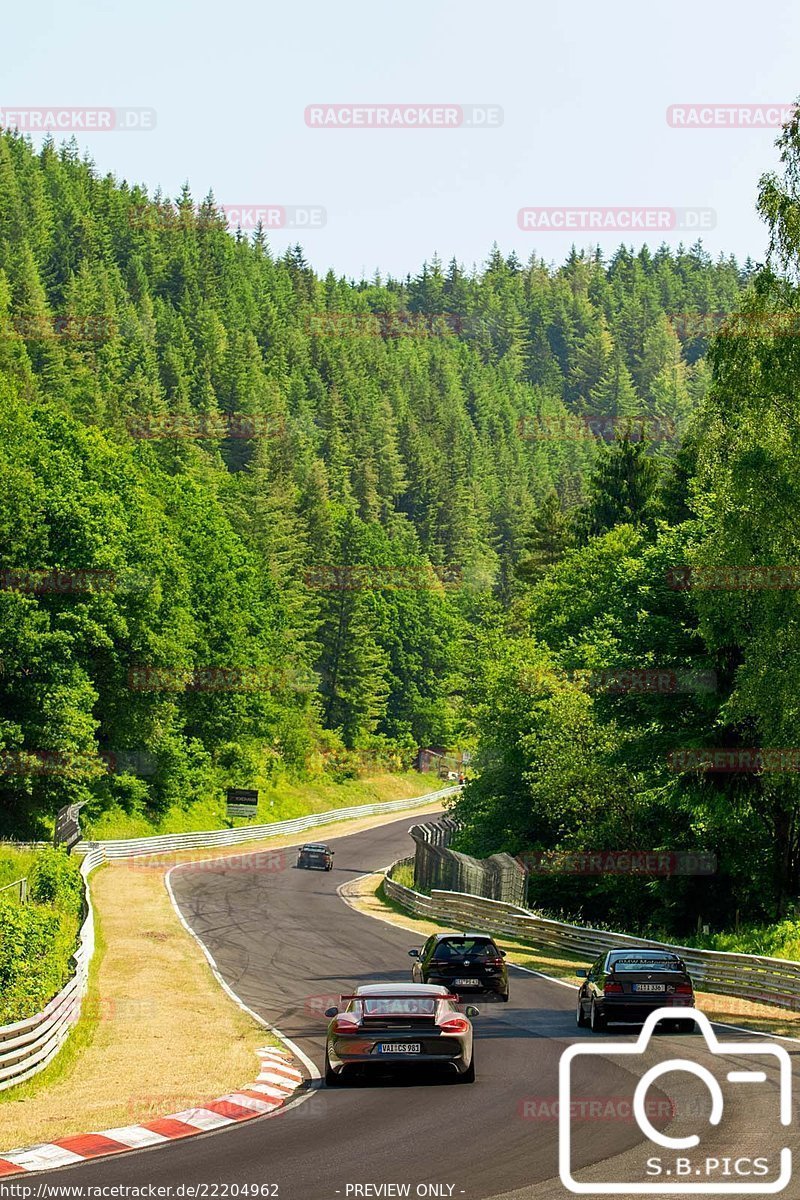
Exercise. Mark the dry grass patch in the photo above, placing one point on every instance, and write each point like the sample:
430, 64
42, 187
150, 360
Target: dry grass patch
367, 895
158, 1034
165, 1035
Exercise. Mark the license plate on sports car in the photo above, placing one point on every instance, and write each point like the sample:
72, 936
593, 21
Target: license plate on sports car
465, 982
649, 987
400, 1048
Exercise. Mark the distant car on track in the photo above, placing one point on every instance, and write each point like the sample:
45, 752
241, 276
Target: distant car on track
315, 856
399, 1025
463, 962
626, 985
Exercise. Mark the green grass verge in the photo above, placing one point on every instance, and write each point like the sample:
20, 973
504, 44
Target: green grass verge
279, 800
39, 938
404, 875
82, 1033
14, 864
773, 941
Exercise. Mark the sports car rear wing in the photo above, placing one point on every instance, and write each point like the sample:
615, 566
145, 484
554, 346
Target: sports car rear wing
403, 996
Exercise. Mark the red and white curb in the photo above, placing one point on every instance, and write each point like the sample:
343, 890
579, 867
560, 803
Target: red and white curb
277, 1080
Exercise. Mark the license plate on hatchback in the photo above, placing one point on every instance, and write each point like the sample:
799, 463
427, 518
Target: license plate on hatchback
399, 1048
465, 982
649, 987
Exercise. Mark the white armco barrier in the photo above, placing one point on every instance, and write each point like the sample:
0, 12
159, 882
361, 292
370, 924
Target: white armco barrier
26, 1047
748, 976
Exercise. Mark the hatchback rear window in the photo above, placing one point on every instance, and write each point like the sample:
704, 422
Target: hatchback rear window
465, 948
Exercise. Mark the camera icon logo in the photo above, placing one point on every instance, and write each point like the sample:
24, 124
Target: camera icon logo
675, 1172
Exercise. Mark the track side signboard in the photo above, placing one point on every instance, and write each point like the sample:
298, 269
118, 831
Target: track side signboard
68, 830
241, 802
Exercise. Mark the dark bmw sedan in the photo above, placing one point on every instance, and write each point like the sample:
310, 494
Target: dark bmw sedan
464, 962
396, 1025
626, 985
315, 856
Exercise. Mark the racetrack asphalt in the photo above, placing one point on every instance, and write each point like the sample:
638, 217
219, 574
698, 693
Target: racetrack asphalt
287, 945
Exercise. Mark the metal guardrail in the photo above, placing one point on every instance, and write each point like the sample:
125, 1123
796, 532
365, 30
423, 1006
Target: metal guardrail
747, 976
160, 843
22, 888
26, 1047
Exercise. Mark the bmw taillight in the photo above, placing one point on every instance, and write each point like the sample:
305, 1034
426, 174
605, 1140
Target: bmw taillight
683, 989
454, 1025
346, 1023
612, 988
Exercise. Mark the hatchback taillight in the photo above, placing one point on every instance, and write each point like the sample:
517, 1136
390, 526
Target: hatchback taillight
494, 962
454, 1025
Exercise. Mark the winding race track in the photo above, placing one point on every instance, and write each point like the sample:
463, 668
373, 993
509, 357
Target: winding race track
288, 945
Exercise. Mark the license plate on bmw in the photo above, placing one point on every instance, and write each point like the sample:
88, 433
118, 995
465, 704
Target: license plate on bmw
399, 1048
649, 987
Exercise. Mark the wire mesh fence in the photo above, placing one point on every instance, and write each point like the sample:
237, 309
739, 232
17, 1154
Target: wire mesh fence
437, 865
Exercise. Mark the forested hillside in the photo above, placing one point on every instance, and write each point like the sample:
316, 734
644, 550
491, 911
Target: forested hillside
255, 520
642, 694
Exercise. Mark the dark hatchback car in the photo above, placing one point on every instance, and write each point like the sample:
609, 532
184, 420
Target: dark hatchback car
626, 985
398, 1025
316, 856
463, 962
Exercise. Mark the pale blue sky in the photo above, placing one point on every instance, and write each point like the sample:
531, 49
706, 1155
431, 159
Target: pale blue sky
584, 88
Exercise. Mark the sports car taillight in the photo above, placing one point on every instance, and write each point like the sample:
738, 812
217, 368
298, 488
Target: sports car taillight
346, 1023
454, 1025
